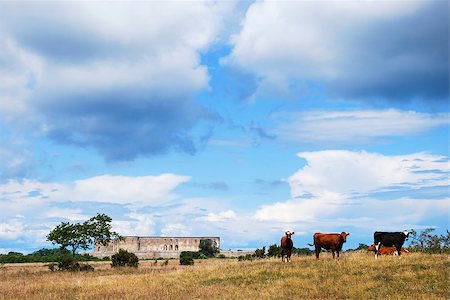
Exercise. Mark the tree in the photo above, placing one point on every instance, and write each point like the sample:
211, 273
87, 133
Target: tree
82, 235
274, 251
260, 253
426, 241
208, 248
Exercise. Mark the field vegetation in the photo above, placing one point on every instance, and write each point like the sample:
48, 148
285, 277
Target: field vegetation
356, 275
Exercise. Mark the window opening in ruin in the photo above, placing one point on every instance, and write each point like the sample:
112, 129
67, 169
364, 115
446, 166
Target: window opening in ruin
171, 247
176, 247
165, 247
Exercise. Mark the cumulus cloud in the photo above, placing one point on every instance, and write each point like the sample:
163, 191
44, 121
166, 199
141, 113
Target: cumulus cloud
139, 190
343, 127
219, 217
117, 77
336, 187
12, 229
392, 50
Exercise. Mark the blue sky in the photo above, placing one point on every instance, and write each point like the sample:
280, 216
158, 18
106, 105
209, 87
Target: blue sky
232, 119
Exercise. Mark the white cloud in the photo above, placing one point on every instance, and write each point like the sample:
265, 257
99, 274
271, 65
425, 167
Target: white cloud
140, 225
219, 217
12, 229
176, 229
337, 185
343, 127
350, 172
138, 190
353, 47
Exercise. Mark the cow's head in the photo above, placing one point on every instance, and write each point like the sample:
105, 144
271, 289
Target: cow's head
344, 236
406, 233
289, 234
371, 248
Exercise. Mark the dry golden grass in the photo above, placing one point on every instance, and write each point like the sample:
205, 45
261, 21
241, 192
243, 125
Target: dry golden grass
353, 276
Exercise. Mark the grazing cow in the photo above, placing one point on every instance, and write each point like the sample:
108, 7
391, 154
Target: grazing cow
386, 250
389, 239
329, 241
286, 246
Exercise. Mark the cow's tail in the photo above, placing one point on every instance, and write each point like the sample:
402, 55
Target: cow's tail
312, 245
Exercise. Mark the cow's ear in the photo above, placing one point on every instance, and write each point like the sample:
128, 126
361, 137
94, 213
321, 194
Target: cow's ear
348, 234
292, 233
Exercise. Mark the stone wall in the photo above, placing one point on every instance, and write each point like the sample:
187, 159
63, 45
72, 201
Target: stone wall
153, 247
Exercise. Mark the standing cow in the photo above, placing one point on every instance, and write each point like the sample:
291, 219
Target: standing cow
329, 241
390, 239
286, 246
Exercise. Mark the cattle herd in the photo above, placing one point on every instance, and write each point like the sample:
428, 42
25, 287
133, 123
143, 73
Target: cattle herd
384, 243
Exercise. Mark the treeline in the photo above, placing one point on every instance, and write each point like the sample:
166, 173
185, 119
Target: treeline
44, 255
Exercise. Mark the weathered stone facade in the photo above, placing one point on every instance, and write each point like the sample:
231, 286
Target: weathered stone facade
153, 247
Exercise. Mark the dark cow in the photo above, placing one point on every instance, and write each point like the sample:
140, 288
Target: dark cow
386, 250
329, 241
286, 246
390, 239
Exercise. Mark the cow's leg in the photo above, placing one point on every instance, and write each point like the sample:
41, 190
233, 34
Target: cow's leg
337, 252
399, 250
317, 252
332, 252
377, 246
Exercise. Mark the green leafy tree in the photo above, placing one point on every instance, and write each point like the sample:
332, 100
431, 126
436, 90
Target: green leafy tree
274, 251
208, 248
82, 235
260, 253
123, 258
426, 241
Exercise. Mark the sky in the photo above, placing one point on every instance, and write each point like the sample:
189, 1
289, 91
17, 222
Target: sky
233, 119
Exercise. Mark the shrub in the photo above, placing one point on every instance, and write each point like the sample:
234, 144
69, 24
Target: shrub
187, 257
123, 258
260, 253
208, 248
67, 263
274, 251
221, 256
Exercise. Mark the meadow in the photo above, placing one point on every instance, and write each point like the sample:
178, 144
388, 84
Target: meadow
353, 276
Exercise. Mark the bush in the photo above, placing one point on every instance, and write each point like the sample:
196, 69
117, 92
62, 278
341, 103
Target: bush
260, 253
187, 257
123, 258
274, 251
207, 248
221, 256
68, 263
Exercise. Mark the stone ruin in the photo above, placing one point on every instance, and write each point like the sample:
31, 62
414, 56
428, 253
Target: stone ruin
153, 247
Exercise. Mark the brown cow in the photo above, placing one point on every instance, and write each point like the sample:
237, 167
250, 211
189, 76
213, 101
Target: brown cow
329, 241
286, 246
383, 250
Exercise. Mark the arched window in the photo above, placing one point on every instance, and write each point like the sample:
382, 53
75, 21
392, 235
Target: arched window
165, 247
171, 247
176, 247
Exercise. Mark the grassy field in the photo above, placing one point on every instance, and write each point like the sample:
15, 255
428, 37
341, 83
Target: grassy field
353, 276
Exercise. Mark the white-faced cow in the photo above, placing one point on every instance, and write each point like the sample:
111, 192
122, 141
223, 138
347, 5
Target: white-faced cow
329, 241
386, 250
390, 239
286, 246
